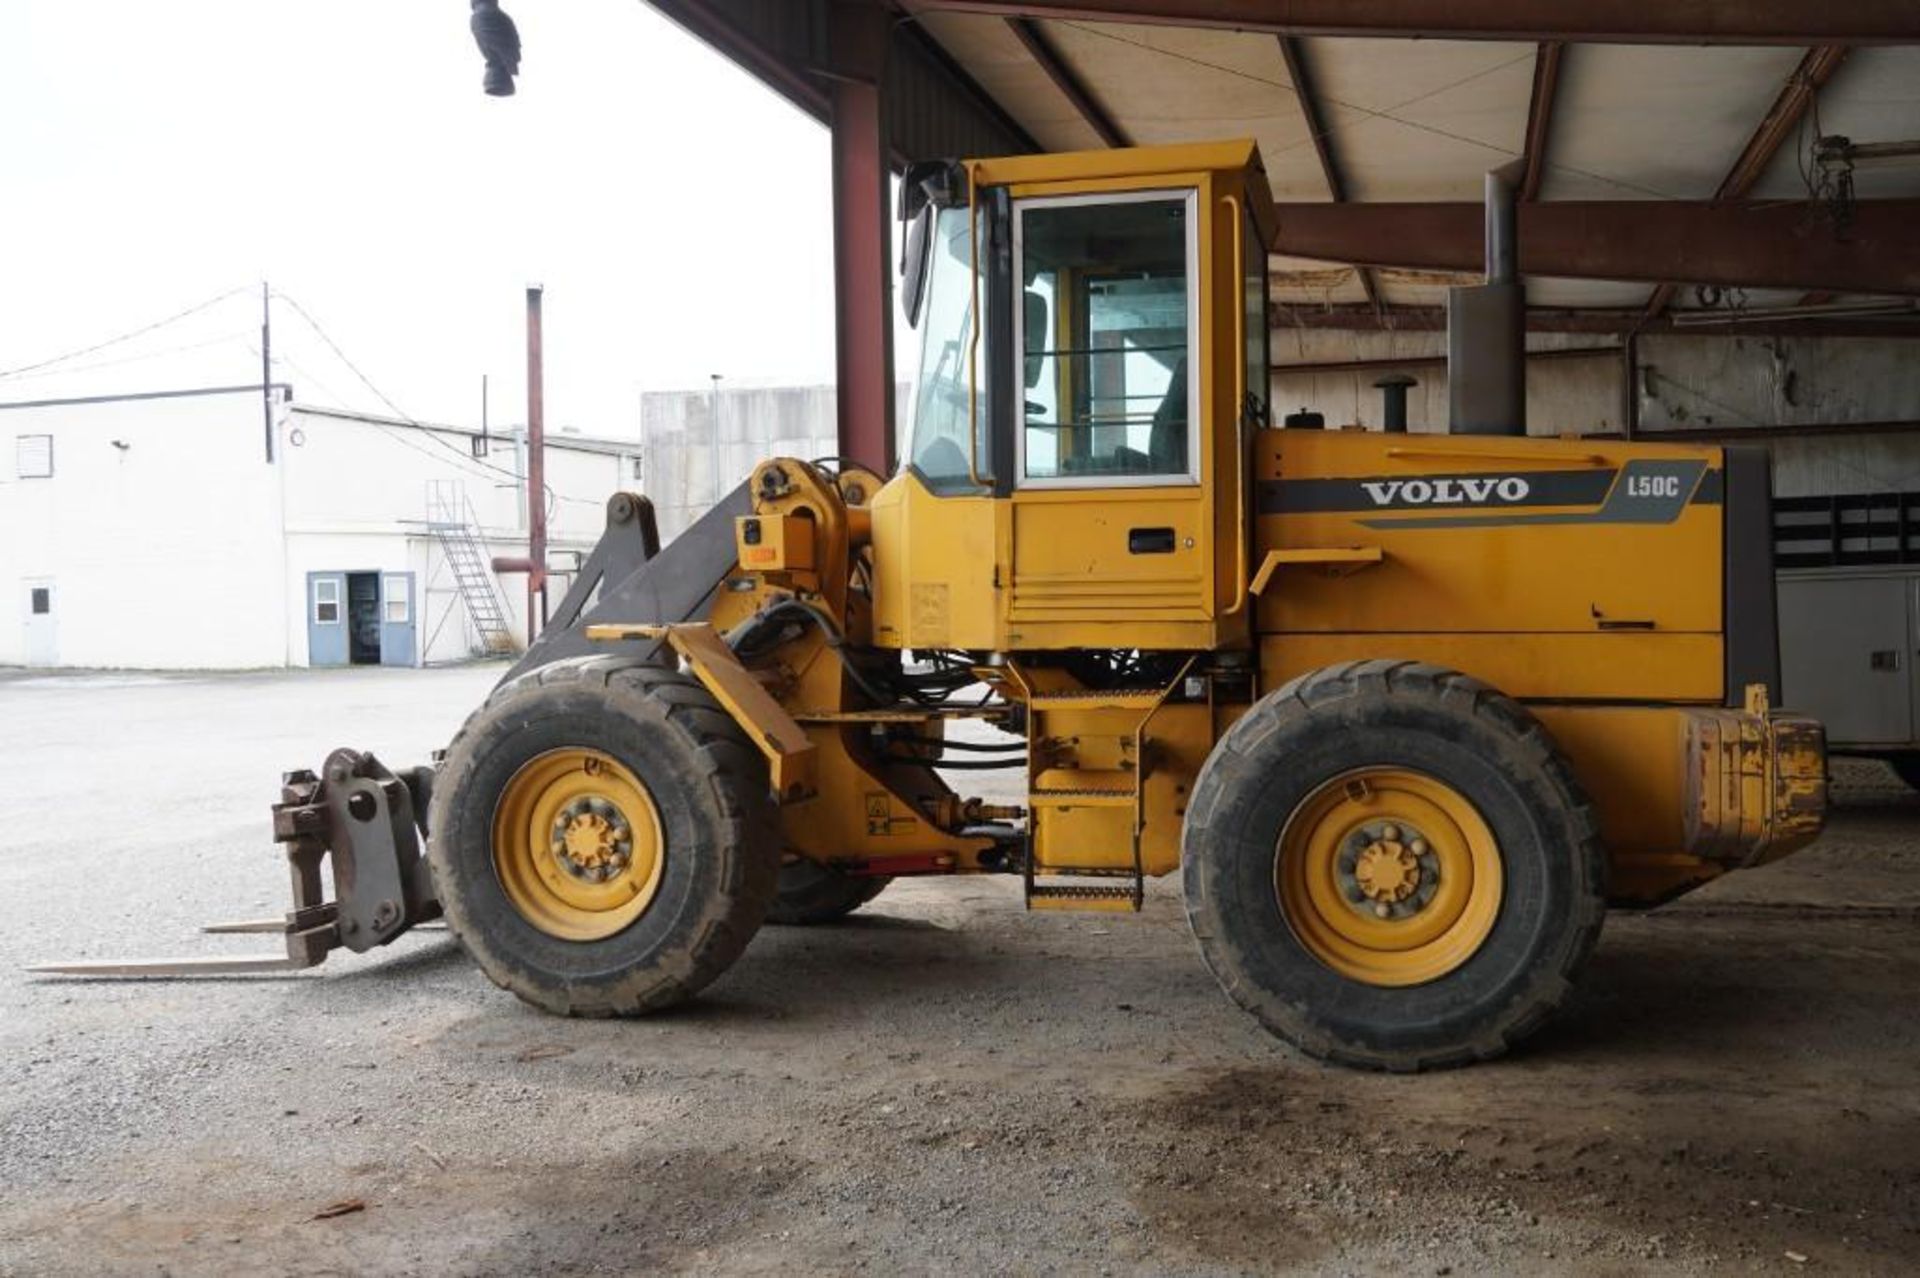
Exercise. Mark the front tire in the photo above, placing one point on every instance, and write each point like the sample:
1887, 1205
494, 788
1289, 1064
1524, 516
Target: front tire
811, 894
1391, 866
603, 838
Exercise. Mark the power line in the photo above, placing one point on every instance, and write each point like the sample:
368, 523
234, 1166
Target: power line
340, 402
124, 337
135, 359
471, 464
397, 411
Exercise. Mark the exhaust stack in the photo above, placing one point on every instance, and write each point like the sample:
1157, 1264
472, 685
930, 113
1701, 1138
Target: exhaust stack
1487, 327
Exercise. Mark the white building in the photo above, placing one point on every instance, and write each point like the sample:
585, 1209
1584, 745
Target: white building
153, 531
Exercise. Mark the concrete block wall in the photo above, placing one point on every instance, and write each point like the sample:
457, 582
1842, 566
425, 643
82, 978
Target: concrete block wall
755, 423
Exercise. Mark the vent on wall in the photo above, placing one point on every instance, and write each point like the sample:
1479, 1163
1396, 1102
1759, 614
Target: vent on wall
33, 456
1846, 529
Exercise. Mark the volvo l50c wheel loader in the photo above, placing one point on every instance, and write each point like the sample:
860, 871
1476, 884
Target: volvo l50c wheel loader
1405, 711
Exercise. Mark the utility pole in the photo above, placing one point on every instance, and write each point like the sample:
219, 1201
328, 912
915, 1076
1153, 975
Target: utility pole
486, 440
266, 368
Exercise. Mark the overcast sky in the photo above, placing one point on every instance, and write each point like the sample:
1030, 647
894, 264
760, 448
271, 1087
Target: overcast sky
157, 155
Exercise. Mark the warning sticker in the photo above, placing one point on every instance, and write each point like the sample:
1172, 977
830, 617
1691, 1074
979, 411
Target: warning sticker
930, 613
878, 810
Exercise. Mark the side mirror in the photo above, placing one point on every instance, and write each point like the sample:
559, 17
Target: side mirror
1034, 325
925, 188
913, 264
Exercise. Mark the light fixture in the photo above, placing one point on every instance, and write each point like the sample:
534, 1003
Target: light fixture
499, 42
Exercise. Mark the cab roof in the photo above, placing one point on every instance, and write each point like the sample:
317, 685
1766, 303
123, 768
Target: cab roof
1236, 156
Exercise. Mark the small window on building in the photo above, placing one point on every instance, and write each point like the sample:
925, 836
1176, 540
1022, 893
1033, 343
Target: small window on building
398, 599
326, 601
42, 601
33, 456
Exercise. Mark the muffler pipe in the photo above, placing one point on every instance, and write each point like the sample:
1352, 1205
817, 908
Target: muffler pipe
1487, 326
1503, 216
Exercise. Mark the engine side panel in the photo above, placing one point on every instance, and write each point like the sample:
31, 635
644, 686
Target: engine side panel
1558, 568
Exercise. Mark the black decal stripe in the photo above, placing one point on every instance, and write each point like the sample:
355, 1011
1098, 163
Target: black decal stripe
1328, 496
1712, 489
1649, 492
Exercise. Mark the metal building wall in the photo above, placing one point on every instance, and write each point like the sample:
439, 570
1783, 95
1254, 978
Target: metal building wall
1563, 394
1693, 382
1853, 402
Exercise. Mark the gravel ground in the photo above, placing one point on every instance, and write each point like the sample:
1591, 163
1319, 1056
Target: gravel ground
945, 1084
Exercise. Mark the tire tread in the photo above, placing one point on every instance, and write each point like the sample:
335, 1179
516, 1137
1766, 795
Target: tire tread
729, 917
1547, 989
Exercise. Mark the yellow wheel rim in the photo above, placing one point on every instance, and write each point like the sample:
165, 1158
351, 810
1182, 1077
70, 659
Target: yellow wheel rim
1388, 876
577, 844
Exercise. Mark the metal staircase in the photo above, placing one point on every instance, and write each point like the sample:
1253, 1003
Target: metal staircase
451, 520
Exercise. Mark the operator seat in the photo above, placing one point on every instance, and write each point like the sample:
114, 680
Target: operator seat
1167, 443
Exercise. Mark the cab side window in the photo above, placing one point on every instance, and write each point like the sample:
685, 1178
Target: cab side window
1105, 339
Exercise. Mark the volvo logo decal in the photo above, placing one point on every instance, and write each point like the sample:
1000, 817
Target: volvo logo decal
1474, 490
1644, 490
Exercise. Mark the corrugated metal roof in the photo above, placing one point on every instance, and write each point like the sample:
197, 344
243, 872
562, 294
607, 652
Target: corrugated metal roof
1423, 119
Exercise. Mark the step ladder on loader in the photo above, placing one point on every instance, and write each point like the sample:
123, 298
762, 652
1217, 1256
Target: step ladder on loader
1088, 760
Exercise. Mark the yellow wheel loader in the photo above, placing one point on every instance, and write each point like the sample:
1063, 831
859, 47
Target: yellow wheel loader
1407, 712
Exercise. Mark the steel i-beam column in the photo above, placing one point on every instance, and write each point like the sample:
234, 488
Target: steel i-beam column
862, 250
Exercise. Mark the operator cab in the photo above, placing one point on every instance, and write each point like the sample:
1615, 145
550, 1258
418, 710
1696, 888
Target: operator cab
1093, 361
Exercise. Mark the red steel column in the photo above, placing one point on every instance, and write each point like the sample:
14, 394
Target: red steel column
862, 250
536, 468
535, 563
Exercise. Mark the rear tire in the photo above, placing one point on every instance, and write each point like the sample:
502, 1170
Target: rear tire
811, 893
1447, 767
688, 788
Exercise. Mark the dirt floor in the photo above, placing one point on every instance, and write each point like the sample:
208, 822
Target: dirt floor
945, 1084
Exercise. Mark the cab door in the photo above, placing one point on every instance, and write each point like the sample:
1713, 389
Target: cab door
1113, 528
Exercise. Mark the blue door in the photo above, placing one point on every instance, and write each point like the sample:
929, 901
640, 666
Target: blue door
326, 619
397, 644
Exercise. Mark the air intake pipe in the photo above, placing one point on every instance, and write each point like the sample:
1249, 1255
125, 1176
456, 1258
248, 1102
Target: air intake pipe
1487, 327
1393, 402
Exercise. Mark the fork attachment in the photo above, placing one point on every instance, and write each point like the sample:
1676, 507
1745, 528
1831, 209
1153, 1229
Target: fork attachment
372, 822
